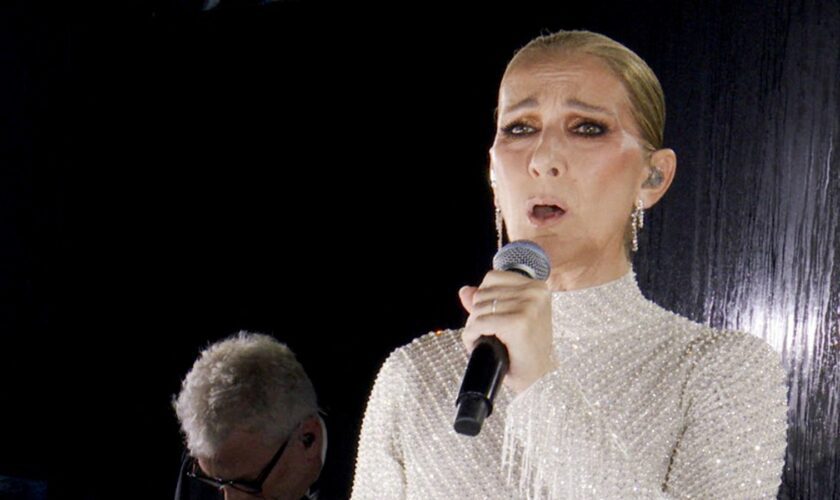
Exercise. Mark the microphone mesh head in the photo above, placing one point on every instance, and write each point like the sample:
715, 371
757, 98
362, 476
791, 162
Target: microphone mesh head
524, 256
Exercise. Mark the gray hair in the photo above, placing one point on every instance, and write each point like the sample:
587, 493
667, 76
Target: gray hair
250, 382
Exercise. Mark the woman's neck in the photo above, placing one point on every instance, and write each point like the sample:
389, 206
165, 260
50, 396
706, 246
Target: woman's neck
575, 277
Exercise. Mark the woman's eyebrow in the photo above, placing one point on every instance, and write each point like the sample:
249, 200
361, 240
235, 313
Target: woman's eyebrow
577, 103
530, 102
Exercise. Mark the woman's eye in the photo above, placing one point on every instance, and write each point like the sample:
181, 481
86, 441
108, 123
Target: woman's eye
517, 128
590, 128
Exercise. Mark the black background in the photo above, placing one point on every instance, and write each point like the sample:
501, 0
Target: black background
306, 170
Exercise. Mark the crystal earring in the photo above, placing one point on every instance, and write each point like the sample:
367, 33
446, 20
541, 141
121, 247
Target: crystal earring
500, 227
500, 222
637, 222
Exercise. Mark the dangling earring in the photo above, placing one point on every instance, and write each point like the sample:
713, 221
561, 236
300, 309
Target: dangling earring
500, 227
637, 222
500, 222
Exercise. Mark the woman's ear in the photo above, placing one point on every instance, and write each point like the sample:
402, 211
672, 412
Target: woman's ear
660, 174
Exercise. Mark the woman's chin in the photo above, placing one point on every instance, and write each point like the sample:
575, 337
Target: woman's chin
541, 236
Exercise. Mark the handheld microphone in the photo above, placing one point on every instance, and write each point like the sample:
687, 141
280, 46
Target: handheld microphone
489, 361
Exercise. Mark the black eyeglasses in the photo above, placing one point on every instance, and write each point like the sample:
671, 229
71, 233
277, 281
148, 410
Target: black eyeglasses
252, 487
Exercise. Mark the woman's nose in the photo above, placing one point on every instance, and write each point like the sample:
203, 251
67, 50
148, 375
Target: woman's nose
549, 158
545, 171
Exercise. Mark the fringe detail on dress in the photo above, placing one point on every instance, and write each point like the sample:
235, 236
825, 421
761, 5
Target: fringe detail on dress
553, 438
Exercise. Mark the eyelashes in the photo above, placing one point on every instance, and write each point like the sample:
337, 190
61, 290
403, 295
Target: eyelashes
513, 130
591, 128
586, 128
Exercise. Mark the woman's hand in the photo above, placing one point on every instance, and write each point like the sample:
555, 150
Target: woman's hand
521, 321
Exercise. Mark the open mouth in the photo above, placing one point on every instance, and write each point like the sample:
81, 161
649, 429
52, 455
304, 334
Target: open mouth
547, 211
541, 212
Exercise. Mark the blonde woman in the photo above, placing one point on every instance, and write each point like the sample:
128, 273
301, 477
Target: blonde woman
608, 395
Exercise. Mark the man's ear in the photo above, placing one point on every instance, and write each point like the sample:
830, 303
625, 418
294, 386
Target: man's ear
659, 175
311, 437
308, 439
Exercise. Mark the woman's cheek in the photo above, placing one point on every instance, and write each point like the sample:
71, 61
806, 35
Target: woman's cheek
612, 170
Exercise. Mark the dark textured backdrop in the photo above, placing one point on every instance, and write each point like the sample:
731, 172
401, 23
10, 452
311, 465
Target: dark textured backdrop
320, 174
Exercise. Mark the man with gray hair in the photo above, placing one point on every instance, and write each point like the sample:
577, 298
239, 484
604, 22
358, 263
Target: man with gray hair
250, 419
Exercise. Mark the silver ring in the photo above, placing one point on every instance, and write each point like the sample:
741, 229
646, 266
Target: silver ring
493, 309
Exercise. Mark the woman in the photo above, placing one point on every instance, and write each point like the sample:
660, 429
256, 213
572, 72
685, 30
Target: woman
607, 395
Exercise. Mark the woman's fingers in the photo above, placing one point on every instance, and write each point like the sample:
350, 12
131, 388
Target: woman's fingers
506, 278
506, 315
466, 294
517, 310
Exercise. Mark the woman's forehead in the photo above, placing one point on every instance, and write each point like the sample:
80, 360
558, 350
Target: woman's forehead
568, 77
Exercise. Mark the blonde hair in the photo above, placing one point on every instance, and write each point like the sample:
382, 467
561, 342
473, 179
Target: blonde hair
646, 97
249, 382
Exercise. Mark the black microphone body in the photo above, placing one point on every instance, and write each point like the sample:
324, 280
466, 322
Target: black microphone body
489, 360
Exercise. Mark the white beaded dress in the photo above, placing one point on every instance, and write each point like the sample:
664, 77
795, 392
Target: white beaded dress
645, 404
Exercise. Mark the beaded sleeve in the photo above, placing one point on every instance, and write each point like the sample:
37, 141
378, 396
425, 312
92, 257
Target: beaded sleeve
379, 466
733, 443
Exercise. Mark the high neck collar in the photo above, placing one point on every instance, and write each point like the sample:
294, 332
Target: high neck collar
600, 309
